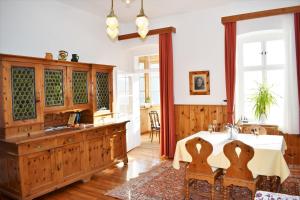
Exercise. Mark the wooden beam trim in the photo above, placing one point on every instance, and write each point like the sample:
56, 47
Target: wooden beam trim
151, 32
259, 14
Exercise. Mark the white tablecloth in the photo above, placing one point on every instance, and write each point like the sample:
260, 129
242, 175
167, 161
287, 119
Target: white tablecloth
268, 157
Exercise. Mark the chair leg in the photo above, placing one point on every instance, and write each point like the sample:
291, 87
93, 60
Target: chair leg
159, 136
187, 189
225, 193
151, 135
252, 194
213, 191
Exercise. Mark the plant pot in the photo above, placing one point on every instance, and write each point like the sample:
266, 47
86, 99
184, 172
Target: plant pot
263, 119
147, 105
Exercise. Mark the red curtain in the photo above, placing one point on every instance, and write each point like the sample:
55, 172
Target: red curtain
297, 40
168, 142
230, 51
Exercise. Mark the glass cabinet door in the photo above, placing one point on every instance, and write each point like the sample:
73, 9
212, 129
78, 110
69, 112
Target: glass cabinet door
54, 87
23, 93
102, 91
80, 87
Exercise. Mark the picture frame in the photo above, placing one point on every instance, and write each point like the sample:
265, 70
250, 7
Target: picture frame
199, 83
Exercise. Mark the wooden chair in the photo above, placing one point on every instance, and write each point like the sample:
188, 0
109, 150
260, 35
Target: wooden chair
255, 129
238, 174
155, 125
199, 169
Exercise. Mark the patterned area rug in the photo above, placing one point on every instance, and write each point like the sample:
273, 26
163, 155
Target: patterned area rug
163, 182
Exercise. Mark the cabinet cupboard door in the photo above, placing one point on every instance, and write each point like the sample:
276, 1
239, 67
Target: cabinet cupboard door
96, 153
39, 171
117, 145
70, 159
55, 88
102, 91
102, 79
80, 87
23, 93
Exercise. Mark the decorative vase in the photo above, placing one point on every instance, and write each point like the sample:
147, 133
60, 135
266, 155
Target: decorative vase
49, 56
75, 58
262, 119
62, 55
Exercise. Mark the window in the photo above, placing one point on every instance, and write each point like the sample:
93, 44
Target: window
149, 79
261, 59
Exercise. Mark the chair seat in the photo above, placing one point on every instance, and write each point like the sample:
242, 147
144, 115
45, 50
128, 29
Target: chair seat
263, 195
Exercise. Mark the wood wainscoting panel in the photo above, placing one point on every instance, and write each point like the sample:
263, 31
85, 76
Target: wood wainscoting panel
190, 119
292, 154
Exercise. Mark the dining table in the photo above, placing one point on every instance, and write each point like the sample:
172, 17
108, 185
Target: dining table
268, 159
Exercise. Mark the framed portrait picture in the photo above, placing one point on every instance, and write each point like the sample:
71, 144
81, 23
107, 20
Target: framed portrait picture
199, 83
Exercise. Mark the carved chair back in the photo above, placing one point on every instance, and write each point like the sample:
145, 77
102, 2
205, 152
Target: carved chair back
199, 149
239, 154
256, 129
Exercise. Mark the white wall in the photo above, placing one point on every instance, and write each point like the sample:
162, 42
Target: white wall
199, 45
33, 27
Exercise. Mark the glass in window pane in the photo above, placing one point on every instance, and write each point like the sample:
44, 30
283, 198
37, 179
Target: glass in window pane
142, 97
275, 50
252, 54
155, 88
276, 80
122, 86
252, 79
142, 83
154, 66
141, 65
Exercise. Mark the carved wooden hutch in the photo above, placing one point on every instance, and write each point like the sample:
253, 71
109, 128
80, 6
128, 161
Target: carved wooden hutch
38, 153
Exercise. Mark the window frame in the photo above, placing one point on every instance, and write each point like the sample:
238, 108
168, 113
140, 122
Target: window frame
263, 37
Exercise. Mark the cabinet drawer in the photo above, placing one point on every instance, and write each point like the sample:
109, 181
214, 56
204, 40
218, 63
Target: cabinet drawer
37, 146
117, 128
95, 133
69, 139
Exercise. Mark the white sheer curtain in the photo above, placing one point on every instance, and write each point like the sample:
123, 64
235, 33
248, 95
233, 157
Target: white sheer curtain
291, 114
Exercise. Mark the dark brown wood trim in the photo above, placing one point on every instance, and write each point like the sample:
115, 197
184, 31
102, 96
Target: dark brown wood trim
259, 14
151, 32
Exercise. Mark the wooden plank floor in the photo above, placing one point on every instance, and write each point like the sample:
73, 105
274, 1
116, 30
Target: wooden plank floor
141, 159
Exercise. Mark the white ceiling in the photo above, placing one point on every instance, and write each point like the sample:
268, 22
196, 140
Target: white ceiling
153, 8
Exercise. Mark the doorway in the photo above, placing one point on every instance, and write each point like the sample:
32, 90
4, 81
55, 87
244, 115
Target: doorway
149, 98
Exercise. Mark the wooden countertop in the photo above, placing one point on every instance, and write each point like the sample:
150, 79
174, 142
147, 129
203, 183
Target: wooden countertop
52, 134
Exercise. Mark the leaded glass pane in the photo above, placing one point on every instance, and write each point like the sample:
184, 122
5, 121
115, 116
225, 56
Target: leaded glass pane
80, 87
102, 91
54, 92
23, 93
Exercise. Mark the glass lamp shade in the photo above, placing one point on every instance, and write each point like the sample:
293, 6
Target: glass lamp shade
143, 32
112, 22
112, 32
142, 22
127, 1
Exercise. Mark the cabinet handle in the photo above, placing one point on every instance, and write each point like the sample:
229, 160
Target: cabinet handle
38, 147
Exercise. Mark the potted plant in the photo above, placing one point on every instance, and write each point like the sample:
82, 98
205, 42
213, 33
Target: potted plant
263, 99
148, 102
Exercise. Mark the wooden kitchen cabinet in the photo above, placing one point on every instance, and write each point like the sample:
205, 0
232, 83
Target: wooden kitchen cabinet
39, 153
45, 163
